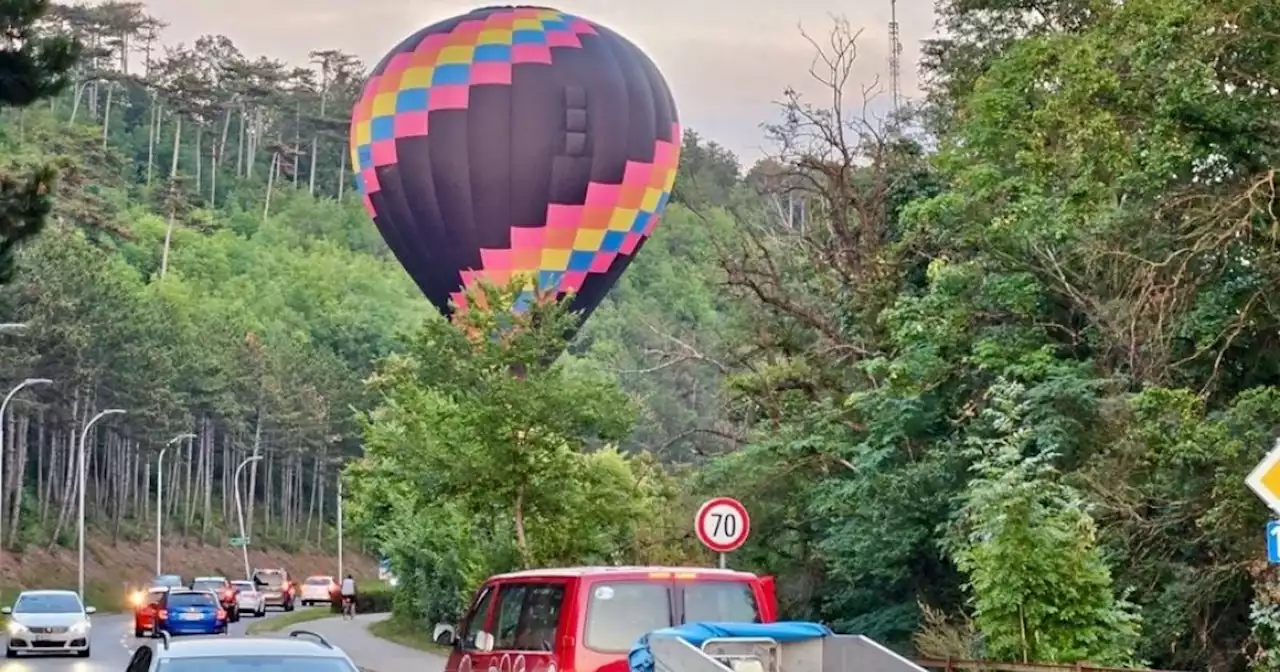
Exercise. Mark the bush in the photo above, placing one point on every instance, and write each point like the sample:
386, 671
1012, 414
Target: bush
370, 599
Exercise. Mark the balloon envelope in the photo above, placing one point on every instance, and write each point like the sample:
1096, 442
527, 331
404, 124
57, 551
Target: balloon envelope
515, 142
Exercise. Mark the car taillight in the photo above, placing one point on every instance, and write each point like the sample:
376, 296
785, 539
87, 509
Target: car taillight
163, 615
222, 615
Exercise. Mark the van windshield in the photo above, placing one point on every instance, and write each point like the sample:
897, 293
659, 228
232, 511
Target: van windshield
720, 602
619, 612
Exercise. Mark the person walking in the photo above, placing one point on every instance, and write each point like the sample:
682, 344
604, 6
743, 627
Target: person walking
348, 597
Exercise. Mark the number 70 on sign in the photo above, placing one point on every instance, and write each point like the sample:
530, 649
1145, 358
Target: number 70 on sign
722, 524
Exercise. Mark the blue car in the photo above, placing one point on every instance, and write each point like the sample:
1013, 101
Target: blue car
190, 612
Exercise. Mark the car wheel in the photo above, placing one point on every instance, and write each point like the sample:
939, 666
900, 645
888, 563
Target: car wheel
10, 653
83, 654
261, 612
138, 632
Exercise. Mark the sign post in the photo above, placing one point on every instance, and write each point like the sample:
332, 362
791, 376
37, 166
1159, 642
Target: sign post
722, 525
239, 542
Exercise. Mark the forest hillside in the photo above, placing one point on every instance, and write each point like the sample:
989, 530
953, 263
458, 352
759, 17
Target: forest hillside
988, 375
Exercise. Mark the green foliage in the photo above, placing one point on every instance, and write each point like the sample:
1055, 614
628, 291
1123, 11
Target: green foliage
372, 598
485, 455
1040, 587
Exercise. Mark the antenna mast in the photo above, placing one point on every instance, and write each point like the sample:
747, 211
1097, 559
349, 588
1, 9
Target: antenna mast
895, 57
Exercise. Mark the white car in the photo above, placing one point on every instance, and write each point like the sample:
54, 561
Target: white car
317, 589
48, 621
249, 599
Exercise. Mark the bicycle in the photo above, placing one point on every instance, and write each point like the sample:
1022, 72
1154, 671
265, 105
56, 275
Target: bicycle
348, 607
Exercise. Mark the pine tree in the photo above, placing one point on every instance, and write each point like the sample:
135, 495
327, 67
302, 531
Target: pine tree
33, 66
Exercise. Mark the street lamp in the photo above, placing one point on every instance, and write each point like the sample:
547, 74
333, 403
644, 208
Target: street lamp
160, 494
83, 480
4, 407
235, 480
340, 573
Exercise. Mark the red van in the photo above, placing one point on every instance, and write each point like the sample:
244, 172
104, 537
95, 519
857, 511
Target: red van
585, 619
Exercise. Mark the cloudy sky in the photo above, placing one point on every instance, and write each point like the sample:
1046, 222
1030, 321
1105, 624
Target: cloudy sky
727, 60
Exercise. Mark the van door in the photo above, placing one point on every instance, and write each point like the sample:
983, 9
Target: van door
475, 639
526, 623
615, 613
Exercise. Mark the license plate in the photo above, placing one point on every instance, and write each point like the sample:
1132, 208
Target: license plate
42, 638
193, 617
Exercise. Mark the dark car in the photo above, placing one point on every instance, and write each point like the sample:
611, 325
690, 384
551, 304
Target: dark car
223, 588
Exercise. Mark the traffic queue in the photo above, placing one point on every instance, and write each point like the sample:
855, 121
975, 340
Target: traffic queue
206, 605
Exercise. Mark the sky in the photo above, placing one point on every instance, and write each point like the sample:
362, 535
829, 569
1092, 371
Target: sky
727, 61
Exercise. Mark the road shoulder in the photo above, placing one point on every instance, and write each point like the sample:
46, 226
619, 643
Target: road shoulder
370, 652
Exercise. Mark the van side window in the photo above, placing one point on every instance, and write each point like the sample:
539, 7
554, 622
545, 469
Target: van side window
510, 604
619, 612
720, 602
476, 621
528, 616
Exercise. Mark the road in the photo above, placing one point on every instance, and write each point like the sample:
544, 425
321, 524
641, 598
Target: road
113, 645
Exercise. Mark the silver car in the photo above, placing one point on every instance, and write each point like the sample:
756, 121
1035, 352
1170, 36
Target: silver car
302, 651
250, 599
48, 621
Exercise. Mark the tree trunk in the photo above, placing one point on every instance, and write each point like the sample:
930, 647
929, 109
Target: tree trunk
173, 215
272, 171
106, 115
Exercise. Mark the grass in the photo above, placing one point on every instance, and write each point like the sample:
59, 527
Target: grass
277, 623
411, 635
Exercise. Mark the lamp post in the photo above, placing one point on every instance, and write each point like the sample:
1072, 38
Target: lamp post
235, 480
83, 480
340, 572
4, 407
160, 495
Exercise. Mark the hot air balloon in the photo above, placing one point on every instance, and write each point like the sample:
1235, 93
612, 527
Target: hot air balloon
515, 142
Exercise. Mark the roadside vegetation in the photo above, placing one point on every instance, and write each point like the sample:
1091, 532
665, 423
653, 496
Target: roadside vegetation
989, 376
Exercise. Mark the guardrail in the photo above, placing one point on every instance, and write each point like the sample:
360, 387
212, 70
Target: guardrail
953, 665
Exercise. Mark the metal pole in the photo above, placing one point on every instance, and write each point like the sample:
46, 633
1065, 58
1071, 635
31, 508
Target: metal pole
724, 561
341, 575
235, 480
160, 497
4, 407
83, 480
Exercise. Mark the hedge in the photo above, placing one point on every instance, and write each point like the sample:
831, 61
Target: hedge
373, 598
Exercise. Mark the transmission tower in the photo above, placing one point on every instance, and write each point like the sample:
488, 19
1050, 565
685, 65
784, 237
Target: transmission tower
895, 57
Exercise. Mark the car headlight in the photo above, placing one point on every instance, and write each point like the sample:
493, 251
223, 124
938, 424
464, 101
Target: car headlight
16, 628
79, 628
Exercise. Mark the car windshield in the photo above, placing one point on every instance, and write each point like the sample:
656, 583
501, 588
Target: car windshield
720, 602
58, 603
209, 584
256, 664
191, 600
318, 581
168, 580
246, 586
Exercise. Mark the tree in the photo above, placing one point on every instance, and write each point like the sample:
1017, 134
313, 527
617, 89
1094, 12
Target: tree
33, 65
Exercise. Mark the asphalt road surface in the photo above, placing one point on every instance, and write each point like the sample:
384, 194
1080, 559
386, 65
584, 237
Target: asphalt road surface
112, 643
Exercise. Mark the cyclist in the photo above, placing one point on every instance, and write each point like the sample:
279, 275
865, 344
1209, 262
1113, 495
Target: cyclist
348, 597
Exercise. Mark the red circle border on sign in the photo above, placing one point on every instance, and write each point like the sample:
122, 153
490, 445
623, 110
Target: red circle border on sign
701, 517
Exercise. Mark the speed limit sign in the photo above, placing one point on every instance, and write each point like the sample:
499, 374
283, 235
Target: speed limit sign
722, 524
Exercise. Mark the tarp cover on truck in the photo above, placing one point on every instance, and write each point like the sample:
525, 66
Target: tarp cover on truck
641, 660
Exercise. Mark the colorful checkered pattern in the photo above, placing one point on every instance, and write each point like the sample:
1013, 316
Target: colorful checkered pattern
575, 240
439, 73
582, 239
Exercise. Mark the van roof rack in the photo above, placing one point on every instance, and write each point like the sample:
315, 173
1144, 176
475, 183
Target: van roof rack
307, 633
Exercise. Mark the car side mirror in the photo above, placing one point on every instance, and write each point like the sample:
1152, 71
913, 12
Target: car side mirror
444, 635
6, 610
90, 610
